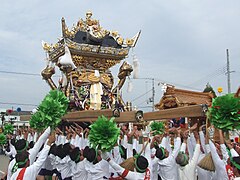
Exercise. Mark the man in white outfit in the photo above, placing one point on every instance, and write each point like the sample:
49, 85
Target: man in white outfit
141, 168
166, 160
32, 152
26, 172
187, 168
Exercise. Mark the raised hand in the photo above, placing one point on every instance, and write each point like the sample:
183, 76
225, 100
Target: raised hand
193, 127
201, 127
51, 138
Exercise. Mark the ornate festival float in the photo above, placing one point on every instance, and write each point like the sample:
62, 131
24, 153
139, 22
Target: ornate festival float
84, 55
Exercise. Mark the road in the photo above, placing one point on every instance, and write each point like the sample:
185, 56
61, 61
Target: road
3, 163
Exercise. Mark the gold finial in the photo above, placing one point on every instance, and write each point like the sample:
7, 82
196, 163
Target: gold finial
63, 26
129, 42
120, 40
114, 33
46, 46
88, 14
55, 46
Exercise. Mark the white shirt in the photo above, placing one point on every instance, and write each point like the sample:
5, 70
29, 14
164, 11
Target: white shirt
12, 151
168, 167
130, 175
97, 171
64, 166
188, 172
202, 173
79, 171
32, 152
220, 168
33, 170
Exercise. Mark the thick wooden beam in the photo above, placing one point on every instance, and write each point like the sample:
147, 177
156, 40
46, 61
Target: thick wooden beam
129, 116
92, 115
88, 114
188, 111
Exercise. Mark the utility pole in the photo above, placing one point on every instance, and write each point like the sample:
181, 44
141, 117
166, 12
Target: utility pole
228, 73
153, 94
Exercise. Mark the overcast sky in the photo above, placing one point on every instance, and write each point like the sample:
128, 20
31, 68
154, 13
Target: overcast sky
183, 43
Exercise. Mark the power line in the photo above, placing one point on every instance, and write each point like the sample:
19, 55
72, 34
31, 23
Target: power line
23, 73
141, 95
22, 104
20, 73
176, 84
217, 72
142, 103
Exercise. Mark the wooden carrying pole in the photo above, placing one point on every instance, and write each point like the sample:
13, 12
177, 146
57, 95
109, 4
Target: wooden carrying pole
188, 111
130, 116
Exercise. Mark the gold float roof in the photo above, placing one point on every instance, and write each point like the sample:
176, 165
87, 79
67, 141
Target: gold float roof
89, 40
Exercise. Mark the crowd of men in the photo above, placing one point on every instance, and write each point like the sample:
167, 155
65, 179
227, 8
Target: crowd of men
138, 155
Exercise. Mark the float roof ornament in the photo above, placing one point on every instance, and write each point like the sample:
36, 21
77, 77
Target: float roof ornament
91, 46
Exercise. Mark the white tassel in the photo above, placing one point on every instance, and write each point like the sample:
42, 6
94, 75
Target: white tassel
66, 59
64, 80
130, 86
135, 67
96, 73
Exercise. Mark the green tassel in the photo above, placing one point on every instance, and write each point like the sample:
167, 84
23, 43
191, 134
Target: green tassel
225, 112
3, 139
8, 128
158, 127
103, 134
50, 111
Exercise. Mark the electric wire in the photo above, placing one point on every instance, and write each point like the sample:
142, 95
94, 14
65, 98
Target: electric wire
143, 102
220, 71
23, 73
20, 73
141, 95
22, 104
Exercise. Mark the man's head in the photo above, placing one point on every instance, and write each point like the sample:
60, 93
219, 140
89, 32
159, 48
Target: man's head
30, 145
76, 155
53, 149
91, 155
182, 159
21, 145
236, 166
67, 148
85, 151
141, 164
59, 151
161, 153
22, 159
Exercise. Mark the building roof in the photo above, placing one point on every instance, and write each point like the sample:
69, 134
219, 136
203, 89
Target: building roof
174, 97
